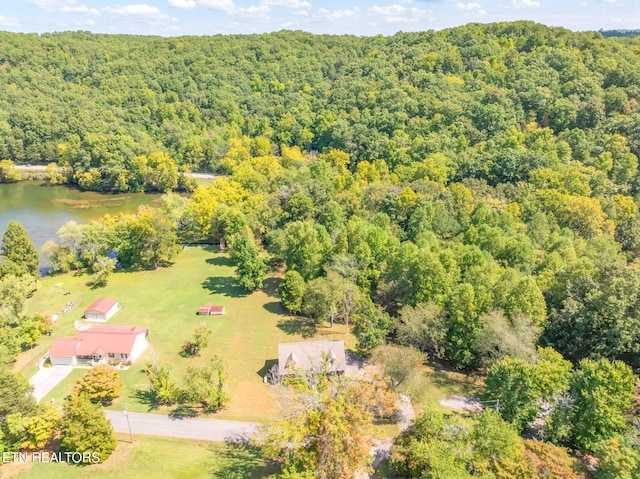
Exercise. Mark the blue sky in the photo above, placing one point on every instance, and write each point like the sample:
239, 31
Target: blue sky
207, 17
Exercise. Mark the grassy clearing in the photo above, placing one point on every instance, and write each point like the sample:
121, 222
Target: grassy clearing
442, 380
158, 457
166, 300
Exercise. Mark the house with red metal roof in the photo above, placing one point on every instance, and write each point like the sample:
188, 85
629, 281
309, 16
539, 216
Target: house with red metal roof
101, 309
100, 345
210, 309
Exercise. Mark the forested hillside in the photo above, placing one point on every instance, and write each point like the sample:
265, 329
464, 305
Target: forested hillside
98, 101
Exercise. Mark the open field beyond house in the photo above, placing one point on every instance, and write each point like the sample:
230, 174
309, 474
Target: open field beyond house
166, 300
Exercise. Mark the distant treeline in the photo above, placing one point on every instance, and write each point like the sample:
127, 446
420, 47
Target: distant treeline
620, 33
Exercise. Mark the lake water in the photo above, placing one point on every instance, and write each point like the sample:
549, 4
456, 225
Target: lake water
43, 209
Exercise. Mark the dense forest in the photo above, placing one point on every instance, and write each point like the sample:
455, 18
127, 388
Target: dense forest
470, 193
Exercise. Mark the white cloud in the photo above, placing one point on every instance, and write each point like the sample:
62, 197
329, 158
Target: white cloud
254, 13
400, 20
524, 3
468, 6
388, 10
224, 5
324, 14
9, 21
395, 14
64, 6
286, 3
301, 13
182, 3
141, 13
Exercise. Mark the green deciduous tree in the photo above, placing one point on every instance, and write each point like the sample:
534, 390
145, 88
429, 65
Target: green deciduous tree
103, 268
16, 395
438, 447
19, 248
85, 428
292, 291
163, 388
306, 248
617, 459
204, 385
602, 393
372, 325
520, 385
250, 267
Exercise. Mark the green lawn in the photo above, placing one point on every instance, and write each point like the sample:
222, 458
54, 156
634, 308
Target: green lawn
158, 457
166, 300
442, 380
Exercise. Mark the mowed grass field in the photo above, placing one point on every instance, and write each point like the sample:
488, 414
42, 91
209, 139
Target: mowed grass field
157, 457
167, 300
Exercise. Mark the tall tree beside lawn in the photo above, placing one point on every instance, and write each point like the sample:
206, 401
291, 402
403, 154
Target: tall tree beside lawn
85, 428
250, 267
19, 248
292, 291
306, 248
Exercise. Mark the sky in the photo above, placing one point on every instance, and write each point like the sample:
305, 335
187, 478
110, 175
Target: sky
355, 17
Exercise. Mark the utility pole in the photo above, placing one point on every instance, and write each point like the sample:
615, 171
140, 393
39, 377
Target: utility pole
124, 407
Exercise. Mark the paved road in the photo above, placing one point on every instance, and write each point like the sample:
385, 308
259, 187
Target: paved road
48, 378
188, 428
201, 176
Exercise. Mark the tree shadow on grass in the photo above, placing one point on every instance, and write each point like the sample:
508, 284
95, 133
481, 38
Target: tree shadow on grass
305, 327
225, 286
275, 307
241, 460
220, 260
182, 411
271, 287
146, 397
